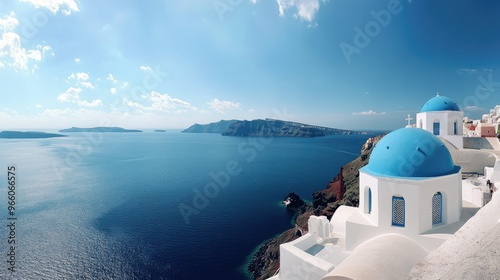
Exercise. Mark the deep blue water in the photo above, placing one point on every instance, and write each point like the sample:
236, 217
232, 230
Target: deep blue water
107, 206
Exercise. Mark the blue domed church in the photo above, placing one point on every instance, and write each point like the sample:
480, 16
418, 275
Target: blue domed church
409, 187
442, 117
410, 202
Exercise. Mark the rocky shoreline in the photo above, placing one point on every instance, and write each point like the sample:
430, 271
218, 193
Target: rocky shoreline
342, 190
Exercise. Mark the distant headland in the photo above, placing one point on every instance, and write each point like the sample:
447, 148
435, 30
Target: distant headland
215, 127
99, 129
28, 135
267, 128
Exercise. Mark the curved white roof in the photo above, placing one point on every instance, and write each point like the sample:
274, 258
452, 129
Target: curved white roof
388, 256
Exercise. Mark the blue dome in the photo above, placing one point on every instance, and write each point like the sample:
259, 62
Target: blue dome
440, 103
411, 152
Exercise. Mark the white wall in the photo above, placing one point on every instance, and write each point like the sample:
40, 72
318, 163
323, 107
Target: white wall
295, 263
418, 195
446, 120
339, 219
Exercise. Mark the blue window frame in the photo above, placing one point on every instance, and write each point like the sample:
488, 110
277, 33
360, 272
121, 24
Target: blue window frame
369, 201
455, 128
437, 208
398, 211
435, 128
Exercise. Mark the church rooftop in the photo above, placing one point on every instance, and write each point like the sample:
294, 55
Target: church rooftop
410, 152
440, 103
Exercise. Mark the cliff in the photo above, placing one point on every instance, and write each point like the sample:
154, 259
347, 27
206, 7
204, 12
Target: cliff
342, 190
99, 129
216, 127
279, 128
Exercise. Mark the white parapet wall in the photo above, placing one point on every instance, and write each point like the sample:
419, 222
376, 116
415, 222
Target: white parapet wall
482, 143
296, 263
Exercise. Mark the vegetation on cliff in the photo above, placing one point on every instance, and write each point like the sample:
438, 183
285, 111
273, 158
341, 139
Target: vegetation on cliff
342, 190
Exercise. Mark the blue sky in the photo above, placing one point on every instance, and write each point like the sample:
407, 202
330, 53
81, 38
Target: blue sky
354, 64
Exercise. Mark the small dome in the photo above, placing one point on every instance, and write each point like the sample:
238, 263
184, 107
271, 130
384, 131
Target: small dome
440, 103
411, 152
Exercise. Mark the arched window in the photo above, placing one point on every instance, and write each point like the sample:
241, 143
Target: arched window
437, 208
455, 128
369, 197
398, 211
435, 128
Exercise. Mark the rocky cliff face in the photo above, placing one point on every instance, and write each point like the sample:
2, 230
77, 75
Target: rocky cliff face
278, 128
266, 128
342, 190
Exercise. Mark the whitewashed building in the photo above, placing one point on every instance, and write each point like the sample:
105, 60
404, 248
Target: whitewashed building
411, 200
442, 117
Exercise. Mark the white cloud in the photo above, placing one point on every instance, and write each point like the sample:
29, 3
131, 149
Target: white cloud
160, 102
474, 108
82, 79
112, 90
65, 6
72, 95
112, 79
222, 105
69, 95
124, 85
305, 9
145, 68
38, 106
472, 71
87, 85
13, 54
77, 60
11, 111
8, 23
253, 1
80, 76
369, 113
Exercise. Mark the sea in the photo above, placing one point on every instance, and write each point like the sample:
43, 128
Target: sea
153, 205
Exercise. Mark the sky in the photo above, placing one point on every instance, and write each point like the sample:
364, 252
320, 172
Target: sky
351, 64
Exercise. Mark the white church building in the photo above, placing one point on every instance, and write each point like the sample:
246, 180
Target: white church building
410, 202
442, 117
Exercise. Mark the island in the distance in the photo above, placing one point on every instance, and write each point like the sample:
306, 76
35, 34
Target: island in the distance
267, 128
27, 134
160, 130
99, 129
215, 127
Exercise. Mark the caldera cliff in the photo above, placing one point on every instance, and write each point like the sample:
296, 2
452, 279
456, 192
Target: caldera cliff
342, 190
